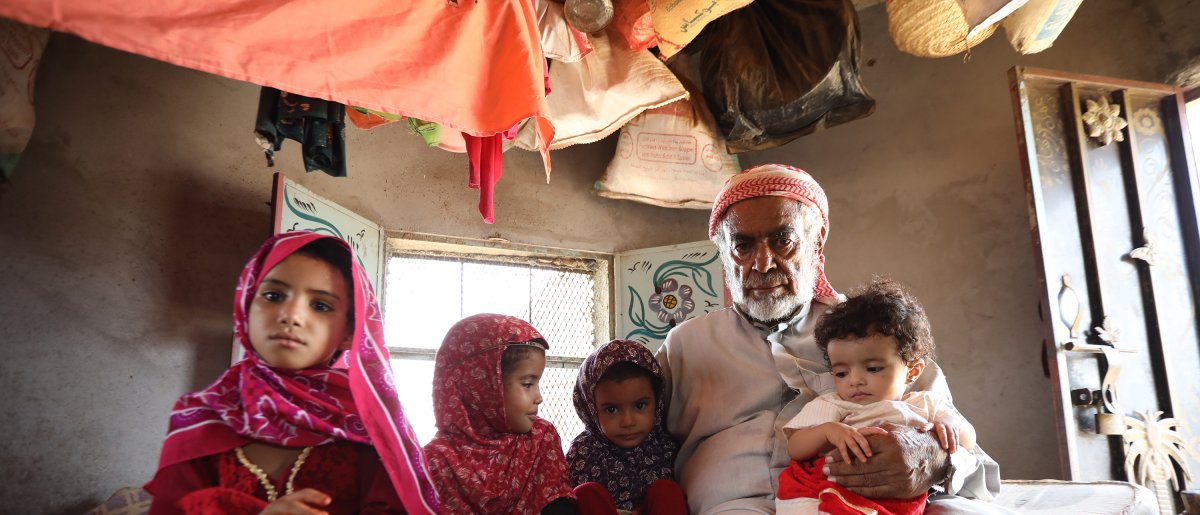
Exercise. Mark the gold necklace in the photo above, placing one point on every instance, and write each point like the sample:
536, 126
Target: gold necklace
272, 494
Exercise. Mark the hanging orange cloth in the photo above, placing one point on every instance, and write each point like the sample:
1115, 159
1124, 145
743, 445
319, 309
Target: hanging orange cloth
474, 66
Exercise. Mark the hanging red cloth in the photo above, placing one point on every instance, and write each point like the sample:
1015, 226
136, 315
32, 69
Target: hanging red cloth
486, 155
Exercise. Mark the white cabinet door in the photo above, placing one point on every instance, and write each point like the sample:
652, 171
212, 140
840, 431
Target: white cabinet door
660, 287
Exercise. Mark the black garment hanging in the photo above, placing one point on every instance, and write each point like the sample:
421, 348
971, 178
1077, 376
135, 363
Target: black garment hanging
319, 126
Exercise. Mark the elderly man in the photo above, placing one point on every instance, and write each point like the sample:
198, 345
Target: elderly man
736, 376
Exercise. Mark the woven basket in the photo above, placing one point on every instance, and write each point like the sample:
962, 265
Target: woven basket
932, 28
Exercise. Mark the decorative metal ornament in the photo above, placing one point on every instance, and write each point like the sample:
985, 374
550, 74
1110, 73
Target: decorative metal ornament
1108, 332
1069, 307
1104, 122
1110, 424
1109, 419
1146, 252
1146, 121
1151, 445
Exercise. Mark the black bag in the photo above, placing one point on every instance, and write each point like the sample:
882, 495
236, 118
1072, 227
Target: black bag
776, 70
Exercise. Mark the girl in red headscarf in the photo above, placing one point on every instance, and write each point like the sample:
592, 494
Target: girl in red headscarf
295, 425
492, 454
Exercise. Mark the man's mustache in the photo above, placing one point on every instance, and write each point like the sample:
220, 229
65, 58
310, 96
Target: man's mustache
761, 280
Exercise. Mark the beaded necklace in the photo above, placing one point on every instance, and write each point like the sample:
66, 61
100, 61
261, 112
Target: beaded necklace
272, 494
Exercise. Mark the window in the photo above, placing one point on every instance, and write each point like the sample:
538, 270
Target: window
433, 282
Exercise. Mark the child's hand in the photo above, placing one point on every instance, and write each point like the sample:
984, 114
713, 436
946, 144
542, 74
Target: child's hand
848, 440
299, 503
947, 435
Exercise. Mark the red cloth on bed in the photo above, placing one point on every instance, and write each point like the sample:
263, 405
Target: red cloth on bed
805, 479
663, 497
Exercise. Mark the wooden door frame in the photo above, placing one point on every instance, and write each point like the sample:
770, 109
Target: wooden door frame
1191, 94
1187, 183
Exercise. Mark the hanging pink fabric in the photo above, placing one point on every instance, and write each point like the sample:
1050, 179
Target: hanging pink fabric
253, 401
486, 155
474, 66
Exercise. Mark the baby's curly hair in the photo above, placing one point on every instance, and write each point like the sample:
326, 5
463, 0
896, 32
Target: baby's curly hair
884, 307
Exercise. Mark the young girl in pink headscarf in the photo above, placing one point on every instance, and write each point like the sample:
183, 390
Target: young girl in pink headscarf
291, 427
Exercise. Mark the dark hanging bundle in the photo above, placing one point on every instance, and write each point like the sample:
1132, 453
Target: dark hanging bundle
776, 70
319, 126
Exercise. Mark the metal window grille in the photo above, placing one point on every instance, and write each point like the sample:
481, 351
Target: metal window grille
425, 295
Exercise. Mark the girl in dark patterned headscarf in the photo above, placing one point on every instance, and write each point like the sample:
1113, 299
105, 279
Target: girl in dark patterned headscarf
624, 459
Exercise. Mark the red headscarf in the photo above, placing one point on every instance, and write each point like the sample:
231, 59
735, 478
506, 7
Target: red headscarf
478, 464
254, 402
778, 181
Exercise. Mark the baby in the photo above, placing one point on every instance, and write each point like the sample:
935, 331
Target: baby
876, 344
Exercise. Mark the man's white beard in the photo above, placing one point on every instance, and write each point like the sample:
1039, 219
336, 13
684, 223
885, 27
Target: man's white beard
769, 311
776, 308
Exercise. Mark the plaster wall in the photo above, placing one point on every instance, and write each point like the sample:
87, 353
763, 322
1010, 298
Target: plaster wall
142, 193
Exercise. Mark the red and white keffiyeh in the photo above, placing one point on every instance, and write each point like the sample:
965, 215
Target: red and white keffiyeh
253, 401
780, 181
479, 465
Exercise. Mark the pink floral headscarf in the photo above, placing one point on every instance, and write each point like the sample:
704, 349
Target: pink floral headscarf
253, 401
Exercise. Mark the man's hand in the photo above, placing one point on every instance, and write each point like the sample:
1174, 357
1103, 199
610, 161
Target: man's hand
904, 463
